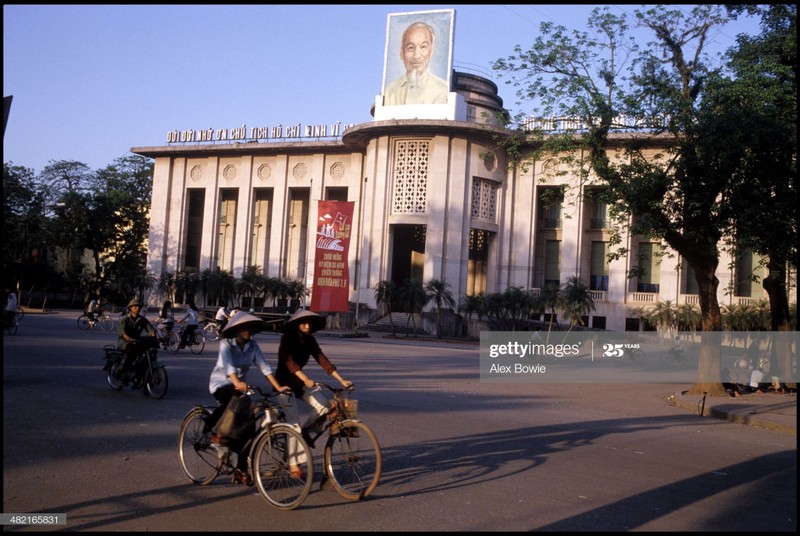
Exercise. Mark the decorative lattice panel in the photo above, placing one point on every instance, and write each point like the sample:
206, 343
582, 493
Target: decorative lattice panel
411, 177
484, 200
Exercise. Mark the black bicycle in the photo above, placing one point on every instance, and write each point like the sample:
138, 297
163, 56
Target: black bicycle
352, 459
196, 341
276, 446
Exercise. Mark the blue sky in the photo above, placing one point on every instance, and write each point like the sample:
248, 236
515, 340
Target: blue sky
90, 82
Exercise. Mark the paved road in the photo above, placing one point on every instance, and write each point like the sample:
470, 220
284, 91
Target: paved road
460, 455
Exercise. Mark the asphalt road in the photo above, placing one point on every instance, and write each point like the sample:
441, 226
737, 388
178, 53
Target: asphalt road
459, 454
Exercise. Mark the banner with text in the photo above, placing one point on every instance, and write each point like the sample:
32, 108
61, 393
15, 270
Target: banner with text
331, 277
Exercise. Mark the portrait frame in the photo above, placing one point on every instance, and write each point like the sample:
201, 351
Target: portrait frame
443, 23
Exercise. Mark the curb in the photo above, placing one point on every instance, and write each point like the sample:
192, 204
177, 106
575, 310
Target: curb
747, 416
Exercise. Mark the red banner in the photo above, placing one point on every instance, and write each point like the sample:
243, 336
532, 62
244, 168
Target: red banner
331, 275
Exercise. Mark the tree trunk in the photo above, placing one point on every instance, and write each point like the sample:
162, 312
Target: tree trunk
708, 379
780, 357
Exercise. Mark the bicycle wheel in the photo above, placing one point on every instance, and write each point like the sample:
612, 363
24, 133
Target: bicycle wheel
156, 383
353, 460
12, 325
113, 381
83, 322
20, 314
197, 342
666, 358
173, 342
211, 331
274, 450
636, 354
200, 461
106, 323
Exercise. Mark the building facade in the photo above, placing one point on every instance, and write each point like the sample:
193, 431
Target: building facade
433, 199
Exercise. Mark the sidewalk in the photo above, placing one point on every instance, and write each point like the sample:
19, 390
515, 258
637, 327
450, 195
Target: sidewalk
770, 410
774, 411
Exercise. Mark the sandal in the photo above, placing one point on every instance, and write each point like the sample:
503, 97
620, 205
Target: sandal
240, 477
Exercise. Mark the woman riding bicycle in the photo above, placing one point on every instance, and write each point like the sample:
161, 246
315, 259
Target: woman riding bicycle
296, 347
237, 353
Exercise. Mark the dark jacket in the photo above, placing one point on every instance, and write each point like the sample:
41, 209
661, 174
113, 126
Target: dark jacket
294, 351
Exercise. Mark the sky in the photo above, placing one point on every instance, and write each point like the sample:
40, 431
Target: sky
91, 82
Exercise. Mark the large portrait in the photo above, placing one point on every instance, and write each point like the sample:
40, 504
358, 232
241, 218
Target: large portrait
418, 60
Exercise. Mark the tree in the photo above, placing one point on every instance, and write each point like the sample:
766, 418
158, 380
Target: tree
671, 177
413, 298
438, 291
385, 294
578, 301
551, 297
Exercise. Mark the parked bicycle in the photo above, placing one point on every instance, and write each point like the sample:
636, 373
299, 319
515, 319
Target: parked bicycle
195, 343
103, 319
146, 372
269, 453
352, 459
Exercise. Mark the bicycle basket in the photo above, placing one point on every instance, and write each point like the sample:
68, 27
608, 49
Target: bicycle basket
350, 408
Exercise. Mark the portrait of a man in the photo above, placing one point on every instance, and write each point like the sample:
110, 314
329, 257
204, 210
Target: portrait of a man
424, 59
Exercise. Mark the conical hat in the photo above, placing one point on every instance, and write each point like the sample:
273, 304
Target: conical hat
317, 321
242, 319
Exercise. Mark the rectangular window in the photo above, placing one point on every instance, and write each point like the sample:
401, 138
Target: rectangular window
552, 262
227, 229
599, 212
650, 264
194, 228
550, 202
745, 268
262, 229
599, 269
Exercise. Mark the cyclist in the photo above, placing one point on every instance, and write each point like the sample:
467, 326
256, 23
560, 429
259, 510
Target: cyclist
11, 307
222, 317
238, 351
677, 348
296, 347
192, 319
92, 310
166, 318
130, 339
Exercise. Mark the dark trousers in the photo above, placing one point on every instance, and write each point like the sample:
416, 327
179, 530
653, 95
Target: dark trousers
136, 348
187, 332
223, 395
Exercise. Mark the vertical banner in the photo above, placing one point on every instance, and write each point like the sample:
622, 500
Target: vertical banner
331, 276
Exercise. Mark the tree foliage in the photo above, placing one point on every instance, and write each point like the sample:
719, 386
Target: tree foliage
680, 171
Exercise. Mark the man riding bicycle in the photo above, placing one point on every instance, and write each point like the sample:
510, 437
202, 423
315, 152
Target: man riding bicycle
130, 339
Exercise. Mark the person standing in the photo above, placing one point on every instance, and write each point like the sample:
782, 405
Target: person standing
296, 347
238, 351
129, 336
418, 85
192, 319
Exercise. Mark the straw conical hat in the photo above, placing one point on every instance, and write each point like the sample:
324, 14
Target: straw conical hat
240, 320
317, 321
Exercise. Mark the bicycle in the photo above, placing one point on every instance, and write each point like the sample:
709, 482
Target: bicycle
102, 319
20, 314
210, 329
196, 341
673, 356
268, 453
352, 458
10, 324
631, 354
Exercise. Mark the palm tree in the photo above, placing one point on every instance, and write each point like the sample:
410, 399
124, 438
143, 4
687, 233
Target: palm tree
551, 298
166, 286
297, 291
578, 301
438, 291
470, 305
385, 294
414, 298
664, 316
